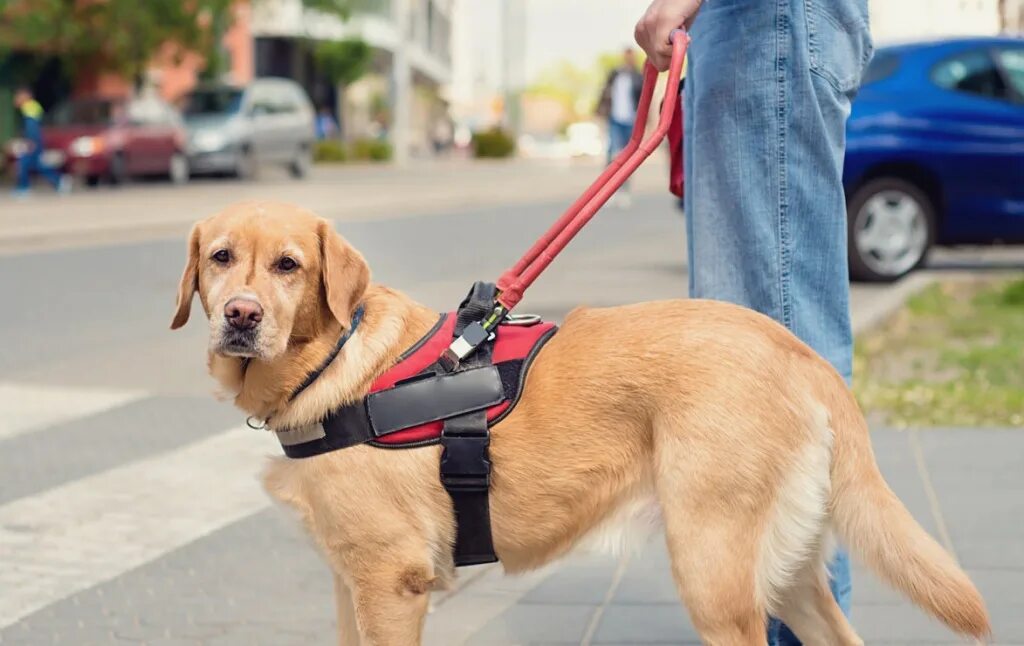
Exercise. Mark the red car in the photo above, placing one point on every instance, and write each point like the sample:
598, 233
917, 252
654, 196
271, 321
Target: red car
114, 139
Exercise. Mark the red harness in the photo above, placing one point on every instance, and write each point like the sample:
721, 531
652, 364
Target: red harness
512, 343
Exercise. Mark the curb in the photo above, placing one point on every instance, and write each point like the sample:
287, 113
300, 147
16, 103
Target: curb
889, 301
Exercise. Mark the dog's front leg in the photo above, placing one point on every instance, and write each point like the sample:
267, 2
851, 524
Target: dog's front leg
348, 629
391, 596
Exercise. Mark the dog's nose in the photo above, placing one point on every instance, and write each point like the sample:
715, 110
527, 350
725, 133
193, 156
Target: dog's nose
242, 313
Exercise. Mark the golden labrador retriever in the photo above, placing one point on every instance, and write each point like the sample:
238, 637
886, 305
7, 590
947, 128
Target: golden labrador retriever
746, 446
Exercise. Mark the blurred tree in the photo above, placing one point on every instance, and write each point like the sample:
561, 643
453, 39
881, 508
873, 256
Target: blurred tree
123, 36
573, 86
342, 62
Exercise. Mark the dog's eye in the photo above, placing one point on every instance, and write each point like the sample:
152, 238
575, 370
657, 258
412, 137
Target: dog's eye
223, 256
287, 264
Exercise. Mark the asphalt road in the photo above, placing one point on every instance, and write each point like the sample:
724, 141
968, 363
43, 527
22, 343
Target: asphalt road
129, 507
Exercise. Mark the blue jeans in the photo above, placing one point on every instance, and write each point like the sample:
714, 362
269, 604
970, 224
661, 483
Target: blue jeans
33, 162
768, 91
618, 136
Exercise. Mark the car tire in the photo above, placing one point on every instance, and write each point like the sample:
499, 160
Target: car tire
299, 167
891, 228
245, 164
92, 181
178, 170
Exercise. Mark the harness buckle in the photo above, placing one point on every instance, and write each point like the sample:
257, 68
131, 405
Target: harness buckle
471, 338
464, 462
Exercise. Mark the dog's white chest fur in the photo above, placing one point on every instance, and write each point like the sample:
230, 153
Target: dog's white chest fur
628, 528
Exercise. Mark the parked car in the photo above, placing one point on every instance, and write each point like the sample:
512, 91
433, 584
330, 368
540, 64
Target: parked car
236, 129
115, 139
935, 153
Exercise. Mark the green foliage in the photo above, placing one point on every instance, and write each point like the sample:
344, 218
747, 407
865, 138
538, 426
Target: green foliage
334, 151
577, 88
494, 143
367, 149
572, 86
112, 35
123, 36
1013, 294
343, 61
329, 151
952, 357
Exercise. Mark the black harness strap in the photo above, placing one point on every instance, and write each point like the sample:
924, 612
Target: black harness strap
465, 460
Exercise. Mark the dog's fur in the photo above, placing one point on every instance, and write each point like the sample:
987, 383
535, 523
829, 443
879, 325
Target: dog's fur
708, 420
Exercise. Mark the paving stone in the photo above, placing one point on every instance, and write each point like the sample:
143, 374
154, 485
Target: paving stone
533, 623
645, 624
574, 584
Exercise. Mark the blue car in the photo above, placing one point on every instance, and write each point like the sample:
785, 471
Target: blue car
935, 153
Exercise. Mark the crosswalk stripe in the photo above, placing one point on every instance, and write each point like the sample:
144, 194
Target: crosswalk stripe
27, 408
72, 537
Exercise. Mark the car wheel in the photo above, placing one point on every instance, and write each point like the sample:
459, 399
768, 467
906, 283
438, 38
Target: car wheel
92, 181
303, 161
118, 170
178, 172
891, 228
245, 165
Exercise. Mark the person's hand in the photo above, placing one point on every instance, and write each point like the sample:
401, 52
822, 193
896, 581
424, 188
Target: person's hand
653, 30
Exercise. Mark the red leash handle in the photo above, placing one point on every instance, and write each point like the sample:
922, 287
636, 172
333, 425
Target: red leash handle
516, 280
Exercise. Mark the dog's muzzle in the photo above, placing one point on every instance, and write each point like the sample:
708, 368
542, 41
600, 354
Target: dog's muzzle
242, 318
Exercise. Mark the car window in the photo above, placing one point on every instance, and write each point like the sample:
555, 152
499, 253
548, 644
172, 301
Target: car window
146, 113
261, 100
213, 101
973, 72
81, 113
882, 66
283, 99
1012, 62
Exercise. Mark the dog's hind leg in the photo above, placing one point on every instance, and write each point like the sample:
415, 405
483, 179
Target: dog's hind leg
713, 551
811, 612
712, 571
348, 629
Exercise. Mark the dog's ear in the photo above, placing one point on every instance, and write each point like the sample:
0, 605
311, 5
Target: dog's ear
345, 274
189, 281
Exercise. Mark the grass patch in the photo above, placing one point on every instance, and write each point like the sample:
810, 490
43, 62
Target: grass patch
953, 356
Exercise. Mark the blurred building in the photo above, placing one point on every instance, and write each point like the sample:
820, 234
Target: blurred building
902, 20
404, 97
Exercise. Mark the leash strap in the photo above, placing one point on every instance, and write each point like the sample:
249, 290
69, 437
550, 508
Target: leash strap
516, 280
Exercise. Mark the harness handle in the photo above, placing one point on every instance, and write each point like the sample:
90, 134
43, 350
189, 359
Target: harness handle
516, 280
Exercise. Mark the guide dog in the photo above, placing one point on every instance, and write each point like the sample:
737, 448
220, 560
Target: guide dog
705, 420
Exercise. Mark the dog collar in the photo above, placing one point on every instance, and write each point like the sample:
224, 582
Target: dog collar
357, 318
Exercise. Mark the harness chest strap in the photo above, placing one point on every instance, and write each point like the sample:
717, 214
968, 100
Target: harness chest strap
407, 405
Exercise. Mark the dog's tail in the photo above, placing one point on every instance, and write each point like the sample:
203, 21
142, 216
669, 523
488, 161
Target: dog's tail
876, 526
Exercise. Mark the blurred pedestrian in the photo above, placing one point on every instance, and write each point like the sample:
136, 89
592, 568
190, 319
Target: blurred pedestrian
326, 126
767, 95
618, 104
31, 158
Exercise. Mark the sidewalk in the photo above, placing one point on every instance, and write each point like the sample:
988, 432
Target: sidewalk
964, 485
150, 210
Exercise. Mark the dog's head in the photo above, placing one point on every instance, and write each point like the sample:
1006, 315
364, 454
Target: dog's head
268, 275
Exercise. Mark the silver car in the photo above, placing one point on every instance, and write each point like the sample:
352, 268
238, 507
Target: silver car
237, 129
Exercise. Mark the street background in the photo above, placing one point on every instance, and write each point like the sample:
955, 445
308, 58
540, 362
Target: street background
129, 506
449, 135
